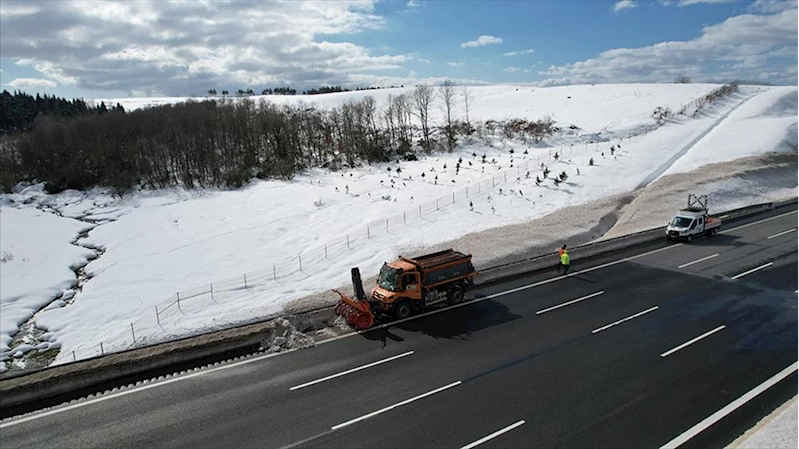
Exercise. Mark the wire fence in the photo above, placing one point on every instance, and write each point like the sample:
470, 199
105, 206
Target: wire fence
163, 322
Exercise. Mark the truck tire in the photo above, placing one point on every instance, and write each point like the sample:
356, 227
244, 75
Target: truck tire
403, 310
456, 294
689, 238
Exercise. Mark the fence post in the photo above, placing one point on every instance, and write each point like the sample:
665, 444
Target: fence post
467, 192
493, 182
245, 281
300, 257
453, 197
325, 250
479, 187
274, 272
178, 295
506, 176
420, 211
102, 352
157, 318
348, 241
74, 359
436, 203
404, 220
386, 224
368, 233
133, 332
212, 291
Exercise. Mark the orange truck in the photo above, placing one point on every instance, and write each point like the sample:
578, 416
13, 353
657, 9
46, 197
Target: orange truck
407, 286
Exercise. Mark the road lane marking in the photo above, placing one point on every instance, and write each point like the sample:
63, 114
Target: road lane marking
398, 404
759, 221
569, 303
697, 261
672, 351
350, 371
493, 435
729, 408
625, 319
752, 270
781, 233
132, 390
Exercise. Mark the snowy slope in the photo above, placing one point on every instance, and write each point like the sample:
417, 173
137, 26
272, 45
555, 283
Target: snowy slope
292, 238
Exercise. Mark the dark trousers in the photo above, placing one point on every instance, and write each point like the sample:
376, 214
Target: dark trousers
563, 268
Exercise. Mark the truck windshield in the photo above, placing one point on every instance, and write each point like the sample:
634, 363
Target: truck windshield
389, 278
681, 222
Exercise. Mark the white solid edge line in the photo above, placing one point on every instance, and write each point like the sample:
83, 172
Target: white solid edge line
350, 334
781, 233
697, 261
752, 270
690, 342
398, 404
493, 435
600, 329
759, 221
350, 371
569, 302
729, 408
138, 389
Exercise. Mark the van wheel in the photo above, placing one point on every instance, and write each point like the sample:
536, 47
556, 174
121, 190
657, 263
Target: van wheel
456, 294
689, 238
403, 310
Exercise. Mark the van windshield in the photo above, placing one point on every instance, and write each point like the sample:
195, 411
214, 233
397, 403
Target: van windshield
389, 278
681, 222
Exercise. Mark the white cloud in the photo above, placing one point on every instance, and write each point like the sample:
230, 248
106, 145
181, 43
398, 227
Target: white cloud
423, 60
183, 47
511, 69
624, 4
457, 65
482, 41
682, 3
30, 83
772, 6
521, 52
752, 43
413, 3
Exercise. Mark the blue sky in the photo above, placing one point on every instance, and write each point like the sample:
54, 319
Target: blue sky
116, 49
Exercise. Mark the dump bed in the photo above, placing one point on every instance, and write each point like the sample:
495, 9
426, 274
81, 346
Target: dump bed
443, 266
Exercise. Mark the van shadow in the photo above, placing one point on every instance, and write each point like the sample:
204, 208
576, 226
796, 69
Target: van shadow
457, 324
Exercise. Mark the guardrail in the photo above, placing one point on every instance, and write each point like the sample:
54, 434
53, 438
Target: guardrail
61, 380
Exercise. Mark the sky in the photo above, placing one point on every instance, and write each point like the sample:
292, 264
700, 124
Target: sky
94, 49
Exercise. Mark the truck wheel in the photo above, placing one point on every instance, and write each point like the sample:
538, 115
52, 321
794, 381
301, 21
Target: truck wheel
403, 310
456, 294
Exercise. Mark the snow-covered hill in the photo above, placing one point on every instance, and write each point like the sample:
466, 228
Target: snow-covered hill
291, 239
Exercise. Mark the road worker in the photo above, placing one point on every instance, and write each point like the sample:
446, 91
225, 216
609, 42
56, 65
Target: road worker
564, 261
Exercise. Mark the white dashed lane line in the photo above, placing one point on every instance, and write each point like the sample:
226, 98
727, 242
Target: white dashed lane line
350, 371
690, 342
752, 270
698, 260
493, 435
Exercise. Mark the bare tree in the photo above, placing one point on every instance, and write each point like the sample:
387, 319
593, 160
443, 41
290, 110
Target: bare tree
422, 99
682, 79
467, 101
447, 93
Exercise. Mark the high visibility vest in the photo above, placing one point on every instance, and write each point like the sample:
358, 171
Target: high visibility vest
564, 258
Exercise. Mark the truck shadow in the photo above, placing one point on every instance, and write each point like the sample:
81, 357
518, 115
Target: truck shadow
458, 323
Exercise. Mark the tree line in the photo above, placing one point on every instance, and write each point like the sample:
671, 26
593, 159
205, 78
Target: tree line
19, 111
226, 143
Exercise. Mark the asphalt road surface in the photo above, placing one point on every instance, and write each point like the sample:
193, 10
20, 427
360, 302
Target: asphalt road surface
633, 349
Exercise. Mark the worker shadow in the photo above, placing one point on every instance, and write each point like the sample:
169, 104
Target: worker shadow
382, 334
459, 323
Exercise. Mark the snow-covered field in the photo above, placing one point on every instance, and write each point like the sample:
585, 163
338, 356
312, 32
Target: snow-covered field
239, 256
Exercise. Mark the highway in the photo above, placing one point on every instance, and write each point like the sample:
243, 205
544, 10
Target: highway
631, 349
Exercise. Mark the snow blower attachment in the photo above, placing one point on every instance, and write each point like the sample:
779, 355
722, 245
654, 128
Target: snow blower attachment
357, 311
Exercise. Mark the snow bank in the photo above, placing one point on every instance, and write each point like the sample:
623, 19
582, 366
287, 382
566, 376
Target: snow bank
38, 263
765, 123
